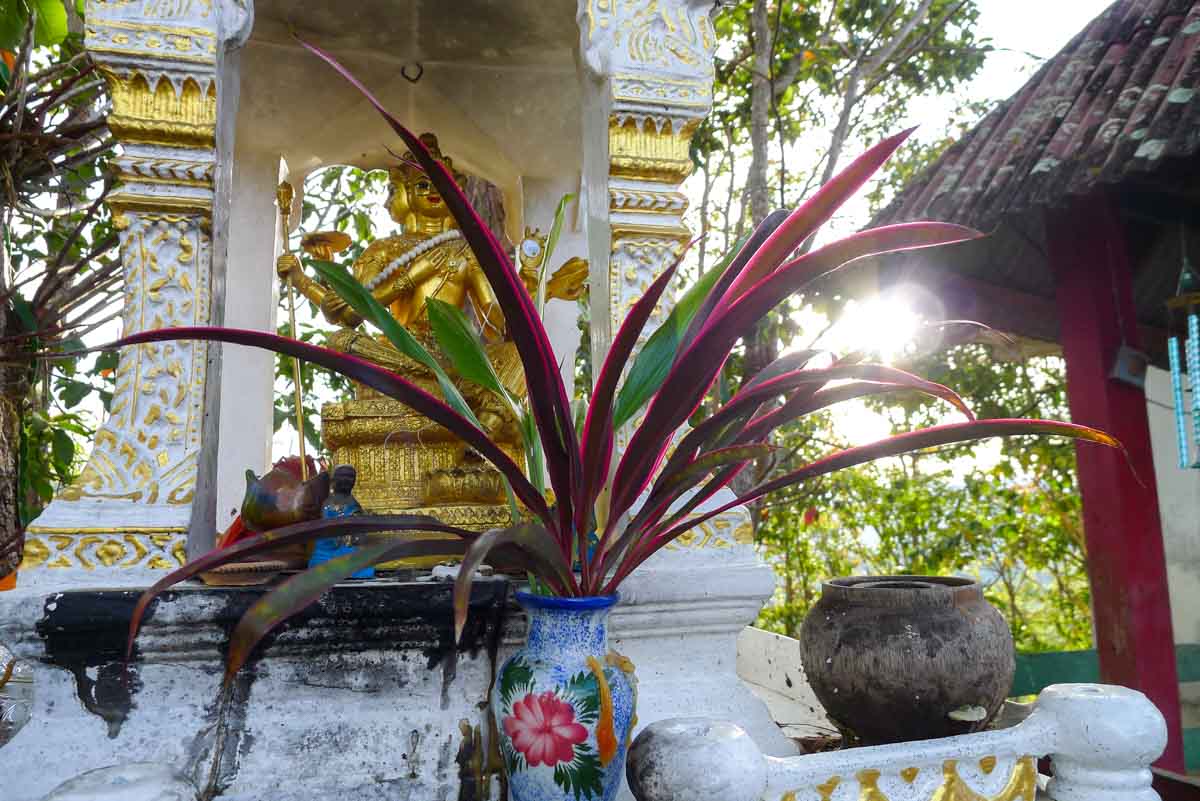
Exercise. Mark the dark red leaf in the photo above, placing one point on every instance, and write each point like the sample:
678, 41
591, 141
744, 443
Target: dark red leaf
598, 426
810, 215
296, 534
364, 372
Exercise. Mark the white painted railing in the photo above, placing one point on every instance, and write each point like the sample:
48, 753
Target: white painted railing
1101, 740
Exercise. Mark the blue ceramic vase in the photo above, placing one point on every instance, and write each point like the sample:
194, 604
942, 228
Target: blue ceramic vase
564, 704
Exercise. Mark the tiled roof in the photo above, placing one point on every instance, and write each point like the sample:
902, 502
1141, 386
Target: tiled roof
1116, 103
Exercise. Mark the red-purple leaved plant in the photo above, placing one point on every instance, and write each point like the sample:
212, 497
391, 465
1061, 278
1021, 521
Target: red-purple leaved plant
646, 497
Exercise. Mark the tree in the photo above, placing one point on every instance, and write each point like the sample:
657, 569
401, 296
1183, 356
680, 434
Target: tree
59, 278
833, 71
830, 71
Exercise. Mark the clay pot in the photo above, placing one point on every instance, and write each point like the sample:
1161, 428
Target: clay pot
899, 658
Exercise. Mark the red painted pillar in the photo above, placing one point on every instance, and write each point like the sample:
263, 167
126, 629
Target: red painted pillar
1088, 254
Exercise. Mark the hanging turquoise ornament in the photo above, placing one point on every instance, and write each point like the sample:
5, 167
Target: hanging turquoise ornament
1181, 435
1186, 303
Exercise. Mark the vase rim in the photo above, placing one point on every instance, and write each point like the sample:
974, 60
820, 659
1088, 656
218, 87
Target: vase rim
909, 581
530, 600
919, 590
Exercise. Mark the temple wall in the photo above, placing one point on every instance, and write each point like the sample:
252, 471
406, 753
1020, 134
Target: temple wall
1179, 507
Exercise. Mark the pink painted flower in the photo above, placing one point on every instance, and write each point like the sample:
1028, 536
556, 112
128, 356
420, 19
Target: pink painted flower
543, 728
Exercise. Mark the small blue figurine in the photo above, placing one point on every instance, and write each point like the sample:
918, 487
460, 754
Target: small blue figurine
339, 504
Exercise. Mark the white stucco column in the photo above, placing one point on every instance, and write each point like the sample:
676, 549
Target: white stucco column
251, 291
134, 501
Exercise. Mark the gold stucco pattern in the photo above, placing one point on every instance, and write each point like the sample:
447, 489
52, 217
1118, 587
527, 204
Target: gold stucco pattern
1020, 786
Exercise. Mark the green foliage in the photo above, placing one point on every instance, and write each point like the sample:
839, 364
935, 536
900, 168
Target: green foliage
653, 361
516, 678
59, 275
583, 693
50, 22
48, 458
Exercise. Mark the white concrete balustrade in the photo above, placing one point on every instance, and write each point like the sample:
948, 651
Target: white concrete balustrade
1101, 740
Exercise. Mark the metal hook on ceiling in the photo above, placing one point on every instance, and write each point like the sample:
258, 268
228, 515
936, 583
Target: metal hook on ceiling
420, 70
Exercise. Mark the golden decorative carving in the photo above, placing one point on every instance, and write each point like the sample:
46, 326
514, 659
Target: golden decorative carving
162, 114
397, 453
130, 503
90, 548
649, 149
720, 532
1021, 784
644, 200
646, 88
125, 38
868, 786
656, 34
148, 448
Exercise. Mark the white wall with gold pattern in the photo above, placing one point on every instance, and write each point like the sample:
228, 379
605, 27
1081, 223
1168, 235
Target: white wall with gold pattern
133, 500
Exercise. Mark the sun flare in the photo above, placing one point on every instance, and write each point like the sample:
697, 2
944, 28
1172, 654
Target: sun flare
884, 326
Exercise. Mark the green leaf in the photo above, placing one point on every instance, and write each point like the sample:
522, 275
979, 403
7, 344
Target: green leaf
517, 677
13, 16
551, 243
24, 313
462, 347
514, 761
585, 696
653, 361
80, 7
366, 306
73, 392
50, 25
582, 775
63, 448
106, 361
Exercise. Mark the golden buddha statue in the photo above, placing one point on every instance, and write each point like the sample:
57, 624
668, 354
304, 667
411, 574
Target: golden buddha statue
404, 462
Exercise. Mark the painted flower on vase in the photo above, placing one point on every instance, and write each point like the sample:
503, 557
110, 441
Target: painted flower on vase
551, 730
544, 730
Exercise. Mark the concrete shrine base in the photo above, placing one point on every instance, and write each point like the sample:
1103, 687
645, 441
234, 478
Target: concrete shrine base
363, 695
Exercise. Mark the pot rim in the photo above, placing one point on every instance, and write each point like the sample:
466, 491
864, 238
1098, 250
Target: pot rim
910, 589
586, 603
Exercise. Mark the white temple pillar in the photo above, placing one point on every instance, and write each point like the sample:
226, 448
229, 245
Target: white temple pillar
647, 77
133, 502
251, 292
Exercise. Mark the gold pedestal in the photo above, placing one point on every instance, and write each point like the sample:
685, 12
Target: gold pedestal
406, 464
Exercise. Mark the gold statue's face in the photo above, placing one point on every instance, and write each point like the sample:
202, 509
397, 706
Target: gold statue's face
424, 199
